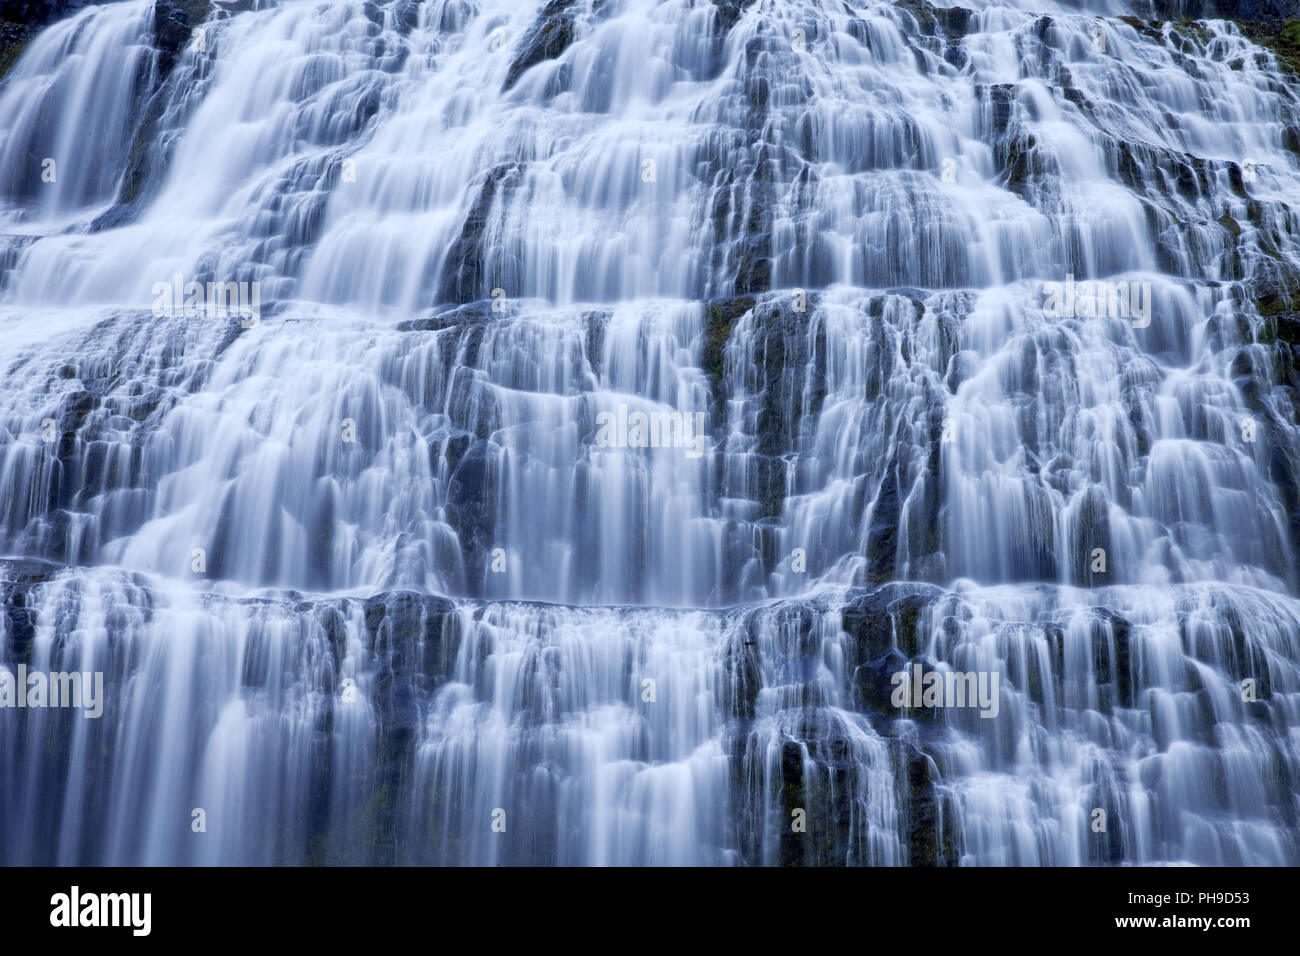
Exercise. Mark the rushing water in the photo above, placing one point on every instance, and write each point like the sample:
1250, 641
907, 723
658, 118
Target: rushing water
381, 568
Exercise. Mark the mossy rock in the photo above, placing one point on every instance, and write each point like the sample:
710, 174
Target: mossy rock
14, 38
1283, 41
1279, 296
548, 38
719, 322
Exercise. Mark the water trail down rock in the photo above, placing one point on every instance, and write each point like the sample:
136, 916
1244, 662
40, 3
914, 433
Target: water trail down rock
620, 432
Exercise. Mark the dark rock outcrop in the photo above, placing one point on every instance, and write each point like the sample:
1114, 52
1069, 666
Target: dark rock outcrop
19, 577
887, 617
472, 506
929, 832
547, 39
469, 272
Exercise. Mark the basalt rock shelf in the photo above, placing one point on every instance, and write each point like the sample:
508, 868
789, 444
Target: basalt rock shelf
543, 434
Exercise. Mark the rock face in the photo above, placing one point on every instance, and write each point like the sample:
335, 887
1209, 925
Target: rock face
472, 504
1272, 13
888, 616
1274, 24
931, 837
547, 39
39, 12
409, 641
20, 20
18, 580
475, 265
172, 23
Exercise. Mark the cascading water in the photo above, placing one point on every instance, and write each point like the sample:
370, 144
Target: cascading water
497, 433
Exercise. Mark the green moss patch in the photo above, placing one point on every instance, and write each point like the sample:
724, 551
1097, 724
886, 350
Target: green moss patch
1284, 42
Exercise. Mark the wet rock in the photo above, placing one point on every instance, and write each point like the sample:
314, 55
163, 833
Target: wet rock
1112, 657
549, 36
874, 685
882, 533
406, 15
173, 25
469, 273
741, 665
888, 616
721, 316
469, 314
727, 14
929, 833
413, 633
414, 640
1089, 533
472, 506
783, 369
19, 578
767, 484
171, 30
819, 780
41, 12
14, 38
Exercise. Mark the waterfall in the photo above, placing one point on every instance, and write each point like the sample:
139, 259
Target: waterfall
584, 432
